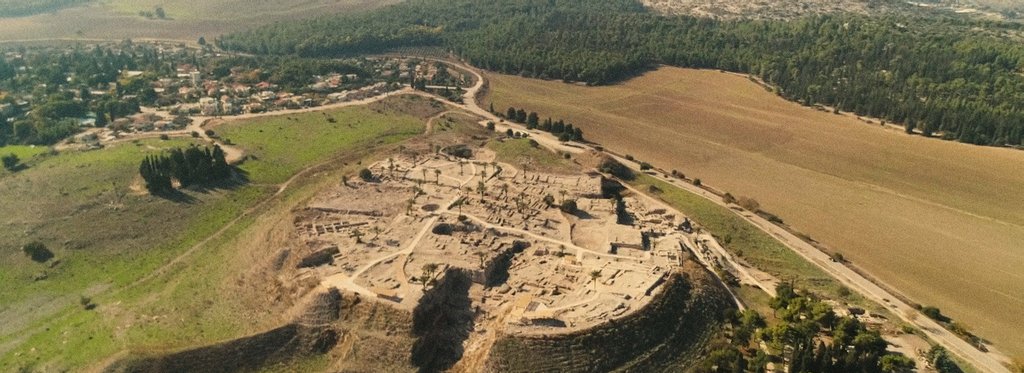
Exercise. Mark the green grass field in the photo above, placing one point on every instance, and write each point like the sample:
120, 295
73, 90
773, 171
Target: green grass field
283, 145
520, 153
24, 152
108, 238
747, 241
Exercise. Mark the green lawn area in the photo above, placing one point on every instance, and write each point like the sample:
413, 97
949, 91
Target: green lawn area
108, 237
283, 145
744, 239
520, 153
24, 152
27, 155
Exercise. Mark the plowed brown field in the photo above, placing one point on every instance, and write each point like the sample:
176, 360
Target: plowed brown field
942, 222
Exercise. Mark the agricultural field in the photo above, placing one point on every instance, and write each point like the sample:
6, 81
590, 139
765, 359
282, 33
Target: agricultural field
165, 273
184, 20
937, 220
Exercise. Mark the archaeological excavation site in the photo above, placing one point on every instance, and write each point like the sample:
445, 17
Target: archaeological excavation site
480, 264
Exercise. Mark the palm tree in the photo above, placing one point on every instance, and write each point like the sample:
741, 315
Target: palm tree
358, 236
562, 193
594, 275
428, 274
376, 232
424, 174
481, 187
437, 176
462, 165
391, 166
504, 189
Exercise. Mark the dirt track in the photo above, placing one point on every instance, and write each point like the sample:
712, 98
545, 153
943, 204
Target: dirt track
991, 362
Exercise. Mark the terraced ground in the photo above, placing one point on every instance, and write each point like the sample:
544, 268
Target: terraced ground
939, 221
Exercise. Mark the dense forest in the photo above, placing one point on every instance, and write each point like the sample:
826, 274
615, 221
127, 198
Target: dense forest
18, 8
938, 74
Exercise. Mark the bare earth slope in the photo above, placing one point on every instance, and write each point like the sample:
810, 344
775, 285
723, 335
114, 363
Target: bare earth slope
940, 221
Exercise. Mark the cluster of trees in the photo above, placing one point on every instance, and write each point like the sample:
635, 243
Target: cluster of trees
290, 73
193, 165
798, 339
19, 8
11, 162
564, 131
936, 73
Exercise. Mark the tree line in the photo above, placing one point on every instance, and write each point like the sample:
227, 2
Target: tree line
939, 74
187, 166
564, 131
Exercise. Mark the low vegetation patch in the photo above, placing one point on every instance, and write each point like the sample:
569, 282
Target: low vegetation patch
747, 241
527, 155
280, 146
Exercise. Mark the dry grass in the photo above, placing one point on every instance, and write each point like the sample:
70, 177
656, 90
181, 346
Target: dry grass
940, 221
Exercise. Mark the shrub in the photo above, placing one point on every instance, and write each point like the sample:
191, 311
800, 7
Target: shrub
443, 229
569, 206
696, 182
490, 126
749, 204
613, 167
934, 314
195, 134
37, 251
644, 166
843, 292
838, 257
210, 133
366, 174
164, 137
11, 161
86, 303
460, 151
728, 198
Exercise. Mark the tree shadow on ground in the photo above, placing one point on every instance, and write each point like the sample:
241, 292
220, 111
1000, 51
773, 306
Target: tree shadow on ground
238, 179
